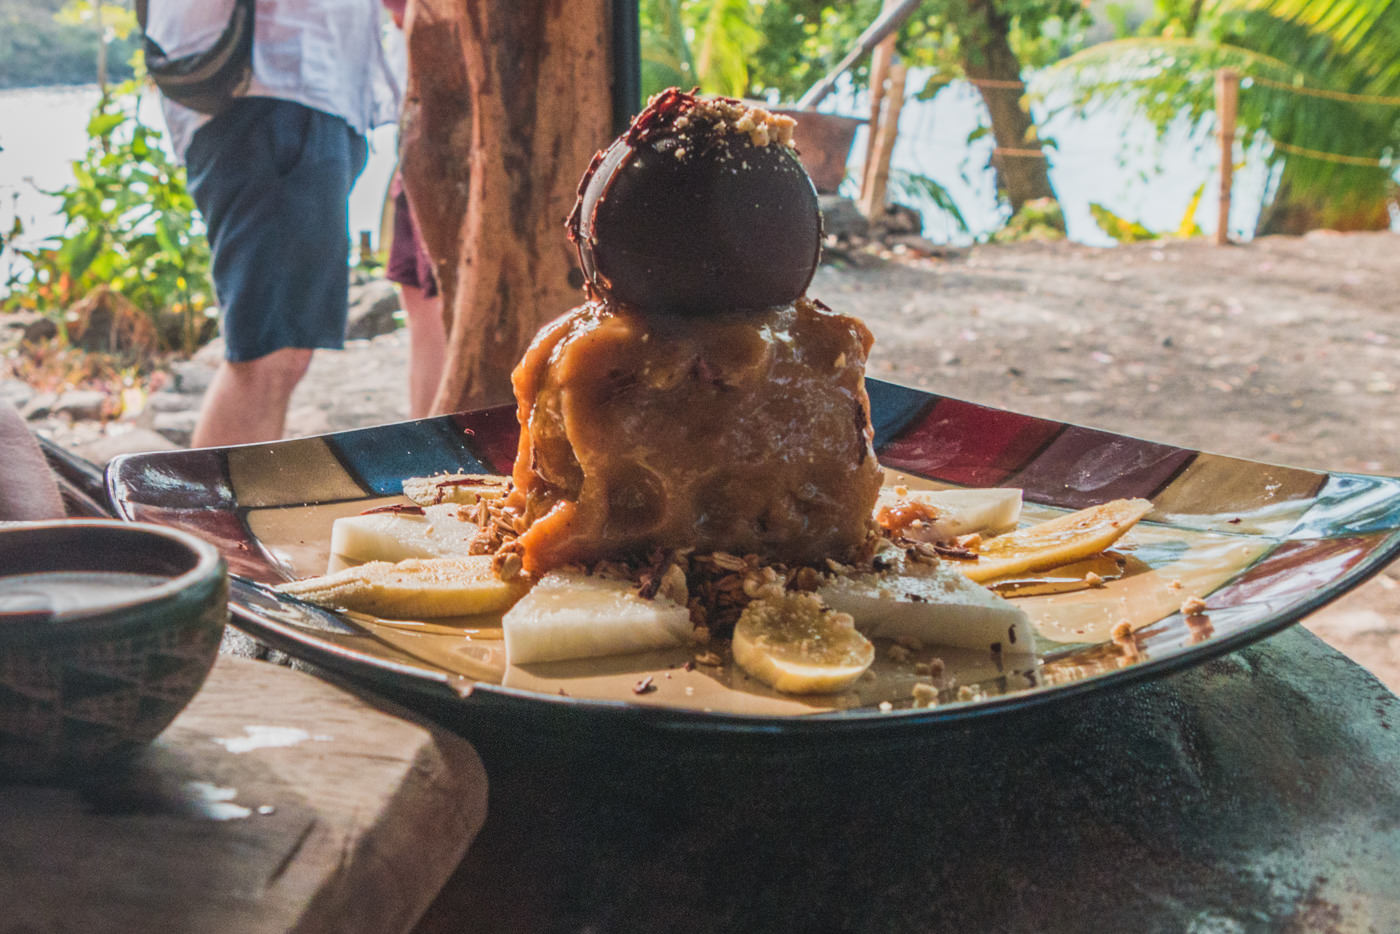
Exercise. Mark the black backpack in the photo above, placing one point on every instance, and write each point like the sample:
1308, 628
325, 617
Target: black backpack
207, 80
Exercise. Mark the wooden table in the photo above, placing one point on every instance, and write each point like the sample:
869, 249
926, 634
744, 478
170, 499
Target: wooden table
275, 802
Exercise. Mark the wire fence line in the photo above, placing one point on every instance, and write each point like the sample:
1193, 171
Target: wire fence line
1379, 162
1306, 91
1382, 162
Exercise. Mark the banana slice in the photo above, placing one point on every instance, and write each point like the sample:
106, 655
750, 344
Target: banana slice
795, 644
942, 515
573, 615
413, 589
440, 531
461, 488
1050, 544
933, 603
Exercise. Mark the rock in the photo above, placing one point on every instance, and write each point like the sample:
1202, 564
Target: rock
177, 427
193, 376
31, 326
16, 392
106, 321
39, 405
922, 246
899, 219
211, 354
372, 309
841, 218
129, 440
158, 402
80, 404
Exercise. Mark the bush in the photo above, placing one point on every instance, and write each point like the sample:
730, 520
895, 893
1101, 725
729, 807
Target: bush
130, 228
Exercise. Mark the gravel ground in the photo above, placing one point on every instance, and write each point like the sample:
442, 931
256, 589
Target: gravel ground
1285, 350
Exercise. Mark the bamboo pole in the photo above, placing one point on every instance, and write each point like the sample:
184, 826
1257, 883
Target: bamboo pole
880, 61
873, 202
1227, 96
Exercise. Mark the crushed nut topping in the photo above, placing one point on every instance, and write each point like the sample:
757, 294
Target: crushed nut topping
1193, 606
925, 694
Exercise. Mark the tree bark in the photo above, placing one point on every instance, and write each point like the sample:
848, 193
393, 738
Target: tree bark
506, 105
989, 60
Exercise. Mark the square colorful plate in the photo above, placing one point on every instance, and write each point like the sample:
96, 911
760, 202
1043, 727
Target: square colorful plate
1261, 545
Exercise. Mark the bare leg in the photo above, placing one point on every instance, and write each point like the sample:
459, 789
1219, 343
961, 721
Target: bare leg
248, 401
427, 338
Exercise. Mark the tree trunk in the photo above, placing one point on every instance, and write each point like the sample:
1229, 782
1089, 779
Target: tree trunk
988, 60
435, 137
506, 105
1296, 214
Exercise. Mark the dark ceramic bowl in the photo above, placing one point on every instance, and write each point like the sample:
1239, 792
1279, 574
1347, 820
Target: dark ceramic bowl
107, 630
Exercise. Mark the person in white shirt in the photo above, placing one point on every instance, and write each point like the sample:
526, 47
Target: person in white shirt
271, 174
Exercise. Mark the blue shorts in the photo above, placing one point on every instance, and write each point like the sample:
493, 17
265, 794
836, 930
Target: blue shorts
272, 179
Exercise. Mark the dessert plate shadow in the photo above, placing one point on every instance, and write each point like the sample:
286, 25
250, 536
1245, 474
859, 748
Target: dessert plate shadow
1245, 548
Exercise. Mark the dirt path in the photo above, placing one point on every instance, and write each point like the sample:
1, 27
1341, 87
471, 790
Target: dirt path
1287, 350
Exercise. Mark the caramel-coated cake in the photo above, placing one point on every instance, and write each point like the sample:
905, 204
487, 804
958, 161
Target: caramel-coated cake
699, 400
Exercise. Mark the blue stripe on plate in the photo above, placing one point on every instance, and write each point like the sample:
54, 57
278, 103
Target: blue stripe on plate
894, 407
1352, 504
379, 458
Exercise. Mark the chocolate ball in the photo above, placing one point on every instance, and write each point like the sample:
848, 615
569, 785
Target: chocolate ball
701, 206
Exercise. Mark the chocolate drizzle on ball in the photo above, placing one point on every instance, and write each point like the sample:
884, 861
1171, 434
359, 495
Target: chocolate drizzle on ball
702, 206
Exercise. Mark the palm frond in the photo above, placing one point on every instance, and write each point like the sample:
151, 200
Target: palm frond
1171, 79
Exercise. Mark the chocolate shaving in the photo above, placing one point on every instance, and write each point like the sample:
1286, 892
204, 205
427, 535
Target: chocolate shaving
954, 551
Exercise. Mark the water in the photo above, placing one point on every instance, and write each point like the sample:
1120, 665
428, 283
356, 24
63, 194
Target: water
1111, 156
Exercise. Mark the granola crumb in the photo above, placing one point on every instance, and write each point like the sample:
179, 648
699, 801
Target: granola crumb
1122, 630
1174, 585
1093, 580
1193, 606
925, 694
886, 706
897, 653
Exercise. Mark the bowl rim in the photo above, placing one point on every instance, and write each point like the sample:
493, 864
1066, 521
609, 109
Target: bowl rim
208, 562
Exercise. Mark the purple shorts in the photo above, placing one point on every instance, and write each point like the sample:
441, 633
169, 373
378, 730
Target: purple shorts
409, 264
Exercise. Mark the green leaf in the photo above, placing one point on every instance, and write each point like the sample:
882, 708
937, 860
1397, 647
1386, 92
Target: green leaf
1120, 229
1188, 227
101, 124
